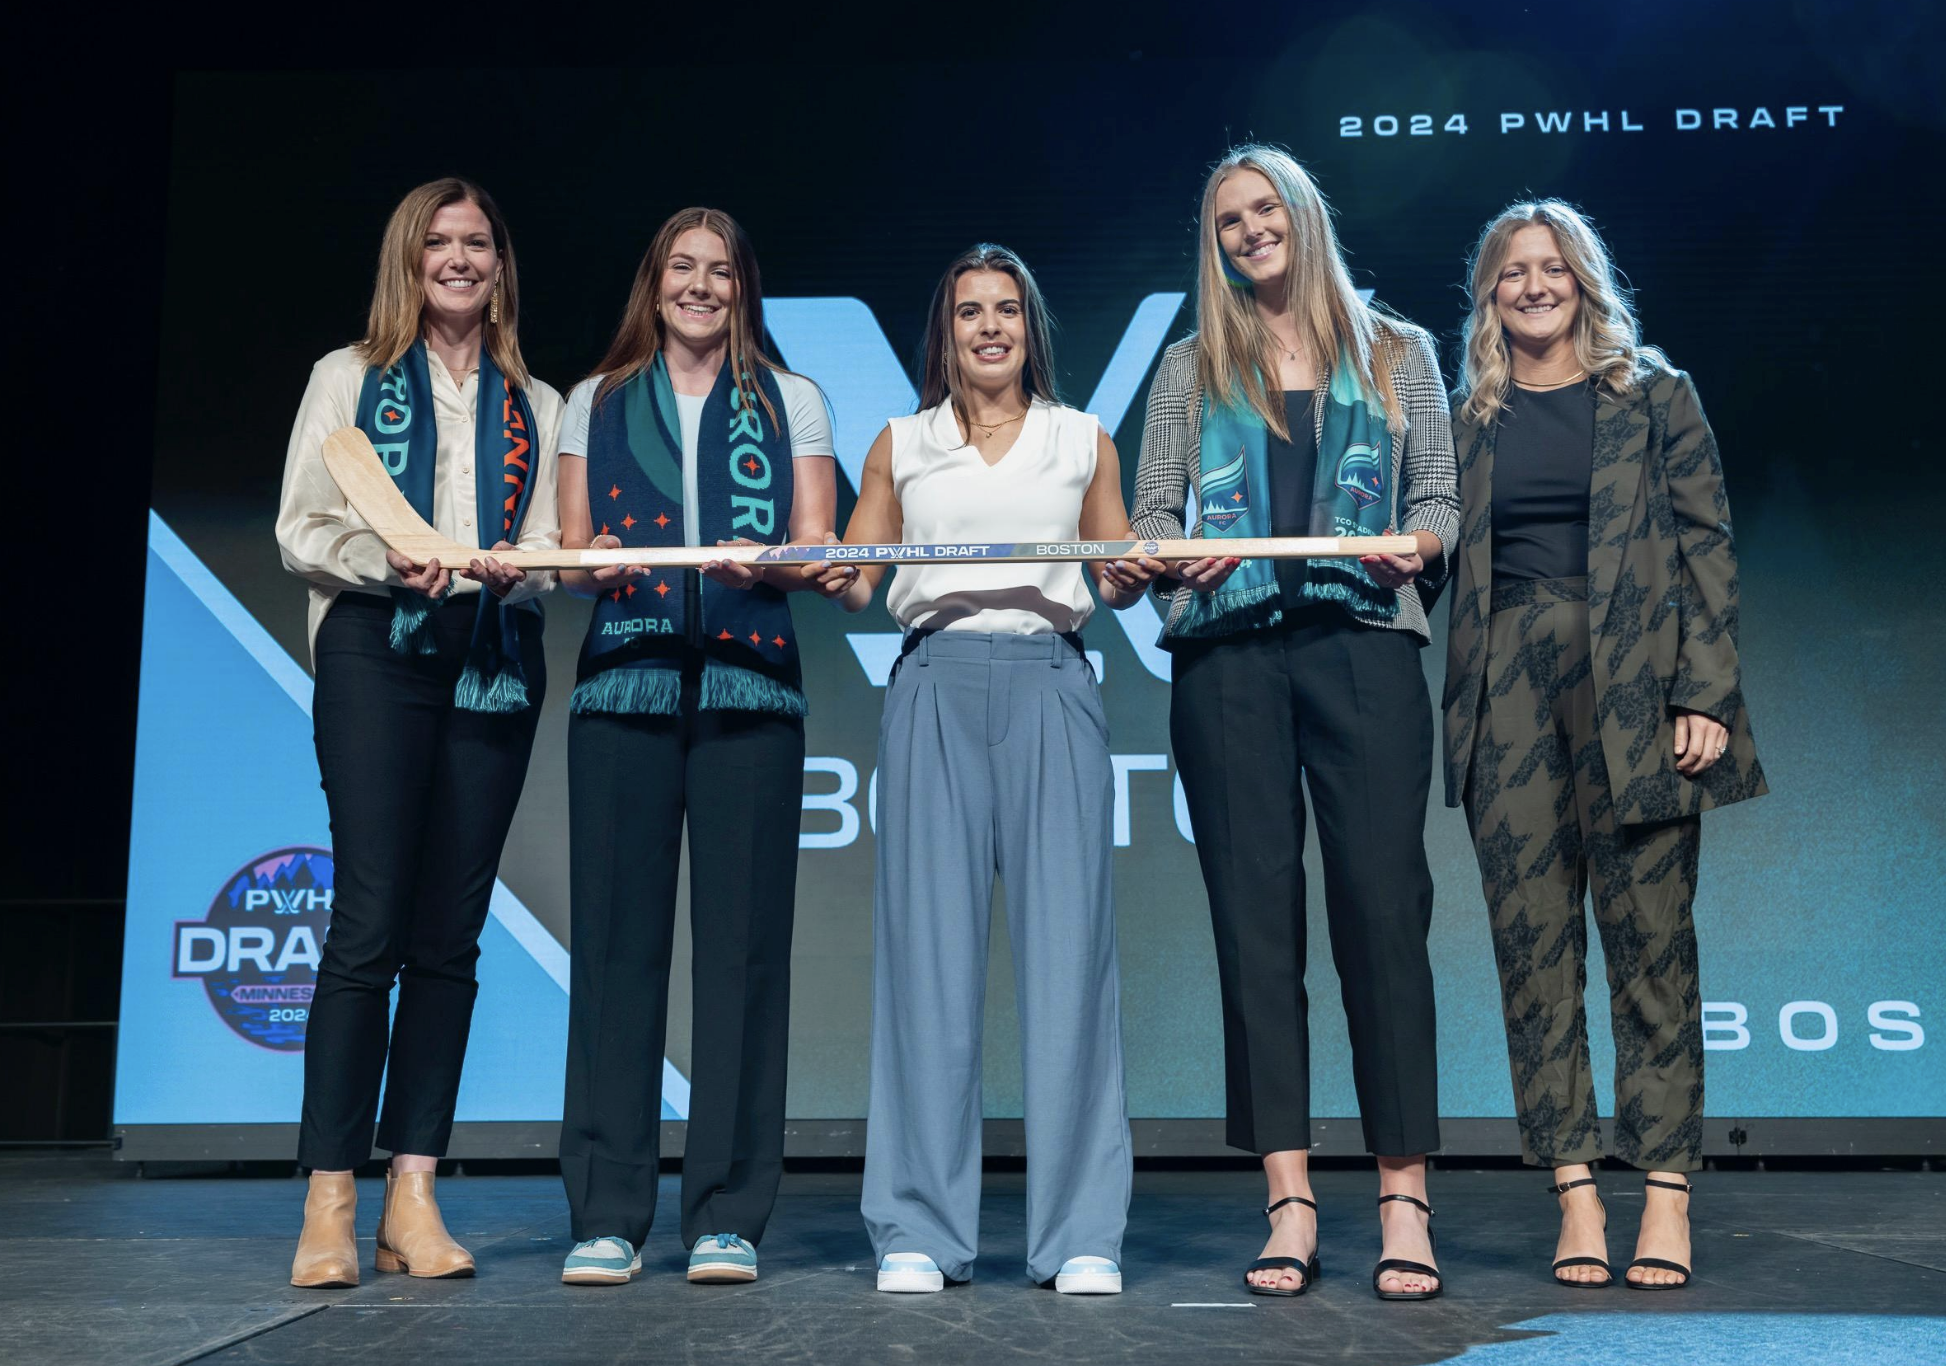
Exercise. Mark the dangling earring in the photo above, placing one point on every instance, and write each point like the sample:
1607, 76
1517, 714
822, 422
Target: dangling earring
493, 305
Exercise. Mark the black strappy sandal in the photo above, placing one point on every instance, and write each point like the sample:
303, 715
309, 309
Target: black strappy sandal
1311, 1269
1417, 1268
1607, 1270
1657, 1262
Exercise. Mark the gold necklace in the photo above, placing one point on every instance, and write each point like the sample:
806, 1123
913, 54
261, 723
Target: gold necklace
988, 429
459, 375
1552, 383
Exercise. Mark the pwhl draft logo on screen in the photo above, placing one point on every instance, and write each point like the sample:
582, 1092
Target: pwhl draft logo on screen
256, 950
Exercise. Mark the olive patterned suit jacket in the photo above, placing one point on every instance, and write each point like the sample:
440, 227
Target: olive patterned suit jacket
1662, 602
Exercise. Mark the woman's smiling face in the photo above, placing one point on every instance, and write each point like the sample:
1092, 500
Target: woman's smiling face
1536, 294
458, 263
989, 329
698, 288
1253, 228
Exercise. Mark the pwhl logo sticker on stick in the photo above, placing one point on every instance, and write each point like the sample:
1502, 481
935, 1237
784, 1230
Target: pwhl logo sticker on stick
257, 950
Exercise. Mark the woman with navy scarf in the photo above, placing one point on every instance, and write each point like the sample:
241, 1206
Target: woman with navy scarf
688, 706
429, 682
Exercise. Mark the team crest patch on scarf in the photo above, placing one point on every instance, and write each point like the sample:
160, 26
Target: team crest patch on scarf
1226, 493
1360, 476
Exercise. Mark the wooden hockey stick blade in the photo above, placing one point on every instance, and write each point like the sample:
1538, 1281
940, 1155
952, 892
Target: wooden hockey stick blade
361, 477
349, 456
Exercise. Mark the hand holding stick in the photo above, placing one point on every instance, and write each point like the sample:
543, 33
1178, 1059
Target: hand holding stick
432, 581
732, 573
829, 579
500, 579
1123, 582
1207, 575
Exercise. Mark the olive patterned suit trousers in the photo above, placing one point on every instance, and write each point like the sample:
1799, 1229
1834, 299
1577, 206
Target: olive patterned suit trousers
1544, 826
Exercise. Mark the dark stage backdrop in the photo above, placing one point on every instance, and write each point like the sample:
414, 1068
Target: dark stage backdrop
1777, 216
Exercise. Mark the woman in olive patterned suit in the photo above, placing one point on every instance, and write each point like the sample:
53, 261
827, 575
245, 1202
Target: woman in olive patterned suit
1593, 709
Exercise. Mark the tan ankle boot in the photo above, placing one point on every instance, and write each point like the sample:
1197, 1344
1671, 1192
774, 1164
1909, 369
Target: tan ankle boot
327, 1250
411, 1235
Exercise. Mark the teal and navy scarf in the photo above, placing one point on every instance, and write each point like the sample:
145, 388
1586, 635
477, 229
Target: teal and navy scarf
1350, 498
644, 633
395, 409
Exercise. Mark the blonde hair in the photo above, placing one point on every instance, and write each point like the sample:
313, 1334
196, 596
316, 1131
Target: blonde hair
641, 334
940, 378
1607, 341
399, 292
1233, 345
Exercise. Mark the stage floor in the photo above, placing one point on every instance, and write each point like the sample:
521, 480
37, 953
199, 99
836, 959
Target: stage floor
98, 1265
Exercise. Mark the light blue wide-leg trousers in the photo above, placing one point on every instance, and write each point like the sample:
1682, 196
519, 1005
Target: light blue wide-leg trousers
993, 754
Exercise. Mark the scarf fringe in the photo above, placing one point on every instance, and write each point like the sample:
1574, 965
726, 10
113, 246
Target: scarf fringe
412, 624
1352, 586
1230, 610
726, 687
506, 692
623, 691
1250, 609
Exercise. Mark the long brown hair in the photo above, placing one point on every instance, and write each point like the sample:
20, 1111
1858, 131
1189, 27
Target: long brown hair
399, 292
1607, 342
1233, 346
941, 378
640, 336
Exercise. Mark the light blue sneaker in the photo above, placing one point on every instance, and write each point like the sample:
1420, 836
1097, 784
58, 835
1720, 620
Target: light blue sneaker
1088, 1276
909, 1273
602, 1261
722, 1257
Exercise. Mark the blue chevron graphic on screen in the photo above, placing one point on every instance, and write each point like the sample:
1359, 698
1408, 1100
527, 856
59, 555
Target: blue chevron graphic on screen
225, 773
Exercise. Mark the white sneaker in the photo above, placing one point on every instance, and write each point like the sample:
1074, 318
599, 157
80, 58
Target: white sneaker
909, 1273
602, 1261
1089, 1276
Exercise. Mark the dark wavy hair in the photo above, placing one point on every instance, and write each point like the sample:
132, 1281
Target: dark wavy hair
940, 380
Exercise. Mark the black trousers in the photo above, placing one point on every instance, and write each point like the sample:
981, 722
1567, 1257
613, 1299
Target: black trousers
414, 873
1344, 705
739, 778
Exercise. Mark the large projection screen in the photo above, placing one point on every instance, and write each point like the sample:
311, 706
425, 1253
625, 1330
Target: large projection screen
1773, 221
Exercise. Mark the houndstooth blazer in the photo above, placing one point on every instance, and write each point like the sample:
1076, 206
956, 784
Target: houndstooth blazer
1425, 479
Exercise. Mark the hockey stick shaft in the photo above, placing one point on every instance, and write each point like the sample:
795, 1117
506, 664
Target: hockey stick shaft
356, 467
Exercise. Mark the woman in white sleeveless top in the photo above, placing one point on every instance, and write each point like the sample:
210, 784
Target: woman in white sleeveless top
994, 754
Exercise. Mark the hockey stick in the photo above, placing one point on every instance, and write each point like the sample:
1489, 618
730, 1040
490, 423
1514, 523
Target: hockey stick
348, 454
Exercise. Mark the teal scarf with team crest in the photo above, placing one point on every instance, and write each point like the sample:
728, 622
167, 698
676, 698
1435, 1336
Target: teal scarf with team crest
1351, 496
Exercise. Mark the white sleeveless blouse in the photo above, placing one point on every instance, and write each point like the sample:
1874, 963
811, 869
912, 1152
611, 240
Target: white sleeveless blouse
948, 493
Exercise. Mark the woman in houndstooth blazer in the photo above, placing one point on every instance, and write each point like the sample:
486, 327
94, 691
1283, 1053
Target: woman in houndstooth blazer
1331, 419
